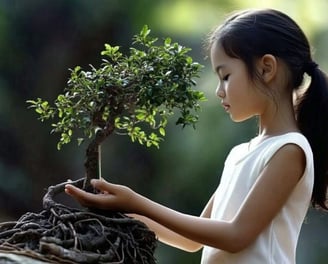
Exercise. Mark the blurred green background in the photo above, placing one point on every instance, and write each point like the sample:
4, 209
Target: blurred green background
40, 40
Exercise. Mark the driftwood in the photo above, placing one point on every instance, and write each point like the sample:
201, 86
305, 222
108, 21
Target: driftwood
60, 234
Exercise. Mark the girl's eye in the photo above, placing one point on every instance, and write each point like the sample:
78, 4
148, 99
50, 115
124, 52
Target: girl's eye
226, 77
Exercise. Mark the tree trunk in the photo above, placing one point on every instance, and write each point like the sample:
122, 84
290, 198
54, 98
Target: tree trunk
93, 157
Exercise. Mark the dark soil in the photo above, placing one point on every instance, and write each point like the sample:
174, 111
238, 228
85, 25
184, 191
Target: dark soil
60, 234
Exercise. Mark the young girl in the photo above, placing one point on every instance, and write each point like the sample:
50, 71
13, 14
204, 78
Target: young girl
256, 213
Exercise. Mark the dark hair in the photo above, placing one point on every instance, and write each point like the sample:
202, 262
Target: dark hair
249, 35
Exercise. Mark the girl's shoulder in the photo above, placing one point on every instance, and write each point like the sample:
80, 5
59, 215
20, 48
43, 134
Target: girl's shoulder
281, 140
265, 149
272, 145
290, 138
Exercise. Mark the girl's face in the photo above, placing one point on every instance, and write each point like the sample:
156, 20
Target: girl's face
239, 95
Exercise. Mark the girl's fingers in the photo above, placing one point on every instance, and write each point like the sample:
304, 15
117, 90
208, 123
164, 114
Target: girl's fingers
106, 187
101, 201
111, 196
84, 198
74, 192
102, 185
81, 194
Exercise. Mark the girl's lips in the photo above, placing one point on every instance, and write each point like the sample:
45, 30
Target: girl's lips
225, 106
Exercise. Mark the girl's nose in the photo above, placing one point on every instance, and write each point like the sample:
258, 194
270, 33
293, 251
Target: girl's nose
220, 92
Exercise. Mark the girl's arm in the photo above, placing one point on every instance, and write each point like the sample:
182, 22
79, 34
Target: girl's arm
264, 201
171, 238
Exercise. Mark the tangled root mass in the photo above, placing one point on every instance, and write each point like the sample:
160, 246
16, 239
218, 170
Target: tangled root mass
60, 234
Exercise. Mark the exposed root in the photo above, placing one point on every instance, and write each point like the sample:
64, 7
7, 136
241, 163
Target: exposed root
60, 234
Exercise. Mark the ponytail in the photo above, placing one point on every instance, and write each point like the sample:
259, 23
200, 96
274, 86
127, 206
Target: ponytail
312, 118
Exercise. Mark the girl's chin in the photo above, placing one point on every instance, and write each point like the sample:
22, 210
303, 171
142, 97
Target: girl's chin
238, 119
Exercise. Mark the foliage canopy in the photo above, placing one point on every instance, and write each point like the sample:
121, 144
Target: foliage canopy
128, 94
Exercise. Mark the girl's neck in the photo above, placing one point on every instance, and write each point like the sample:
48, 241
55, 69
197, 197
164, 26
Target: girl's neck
280, 119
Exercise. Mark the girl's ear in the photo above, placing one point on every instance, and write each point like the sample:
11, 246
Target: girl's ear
267, 67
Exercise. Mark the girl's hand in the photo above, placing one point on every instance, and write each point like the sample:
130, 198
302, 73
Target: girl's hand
112, 196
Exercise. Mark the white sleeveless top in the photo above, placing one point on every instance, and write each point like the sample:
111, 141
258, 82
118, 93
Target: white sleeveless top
277, 243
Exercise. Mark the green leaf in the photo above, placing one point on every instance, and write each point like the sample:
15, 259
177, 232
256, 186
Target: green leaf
145, 31
162, 131
167, 41
39, 110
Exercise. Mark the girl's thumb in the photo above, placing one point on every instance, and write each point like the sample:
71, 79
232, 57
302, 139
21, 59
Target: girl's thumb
101, 185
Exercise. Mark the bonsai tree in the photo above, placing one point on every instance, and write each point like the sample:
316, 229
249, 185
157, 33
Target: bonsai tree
132, 95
